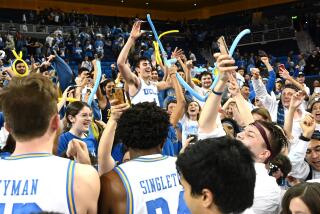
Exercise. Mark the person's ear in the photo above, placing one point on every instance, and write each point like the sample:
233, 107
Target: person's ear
55, 122
264, 155
207, 198
71, 118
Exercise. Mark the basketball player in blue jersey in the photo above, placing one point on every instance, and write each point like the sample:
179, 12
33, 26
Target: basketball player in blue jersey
140, 88
149, 182
32, 179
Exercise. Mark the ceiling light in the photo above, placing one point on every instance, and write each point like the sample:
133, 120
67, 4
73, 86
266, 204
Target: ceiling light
195, 4
147, 3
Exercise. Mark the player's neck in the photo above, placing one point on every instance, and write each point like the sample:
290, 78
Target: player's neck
135, 153
43, 144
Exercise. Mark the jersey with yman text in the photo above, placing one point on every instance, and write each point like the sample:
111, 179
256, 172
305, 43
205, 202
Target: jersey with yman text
35, 182
152, 185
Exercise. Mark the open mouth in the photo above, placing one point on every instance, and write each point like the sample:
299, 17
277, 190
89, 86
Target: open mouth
192, 110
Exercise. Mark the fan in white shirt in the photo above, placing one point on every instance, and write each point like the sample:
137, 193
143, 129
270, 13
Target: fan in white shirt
263, 139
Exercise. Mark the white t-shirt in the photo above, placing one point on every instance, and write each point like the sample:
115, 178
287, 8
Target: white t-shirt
189, 127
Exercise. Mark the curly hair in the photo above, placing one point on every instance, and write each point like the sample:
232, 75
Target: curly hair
144, 126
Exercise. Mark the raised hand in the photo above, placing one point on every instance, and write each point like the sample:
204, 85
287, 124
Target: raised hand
117, 110
233, 87
265, 60
189, 64
79, 151
308, 125
297, 99
136, 32
177, 53
225, 65
284, 73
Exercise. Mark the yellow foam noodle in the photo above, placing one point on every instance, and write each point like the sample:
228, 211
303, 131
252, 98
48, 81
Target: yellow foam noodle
167, 32
69, 99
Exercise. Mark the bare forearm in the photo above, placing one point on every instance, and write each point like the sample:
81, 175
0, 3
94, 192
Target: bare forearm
287, 127
208, 116
105, 160
181, 102
244, 111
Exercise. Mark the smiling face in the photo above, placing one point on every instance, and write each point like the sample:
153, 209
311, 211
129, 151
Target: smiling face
313, 154
206, 81
82, 120
316, 111
154, 76
245, 91
109, 88
254, 141
286, 96
193, 109
144, 69
229, 110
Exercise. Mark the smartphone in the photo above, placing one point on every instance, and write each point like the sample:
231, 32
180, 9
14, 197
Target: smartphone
118, 94
316, 90
194, 140
222, 45
281, 67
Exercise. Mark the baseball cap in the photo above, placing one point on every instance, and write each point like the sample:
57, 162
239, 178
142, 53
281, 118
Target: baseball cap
300, 74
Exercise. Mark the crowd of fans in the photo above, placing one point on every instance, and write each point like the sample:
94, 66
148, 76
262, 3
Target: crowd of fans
252, 146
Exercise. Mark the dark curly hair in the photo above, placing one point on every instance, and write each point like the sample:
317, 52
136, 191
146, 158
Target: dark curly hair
144, 126
225, 167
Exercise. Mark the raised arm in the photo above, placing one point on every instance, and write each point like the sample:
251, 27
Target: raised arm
105, 161
208, 116
64, 97
187, 70
272, 75
261, 92
123, 67
243, 108
300, 168
295, 102
181, 102
285, 75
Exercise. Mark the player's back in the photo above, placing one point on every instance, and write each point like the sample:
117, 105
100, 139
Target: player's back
36, 181
152, 184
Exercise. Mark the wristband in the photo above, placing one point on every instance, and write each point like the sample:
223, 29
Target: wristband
304, 138
217, 93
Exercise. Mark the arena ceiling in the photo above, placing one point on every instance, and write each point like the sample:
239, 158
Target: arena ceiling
164, 5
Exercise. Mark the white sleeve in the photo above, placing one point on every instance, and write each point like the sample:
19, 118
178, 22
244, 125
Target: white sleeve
218, 132
300, 168
269, 102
